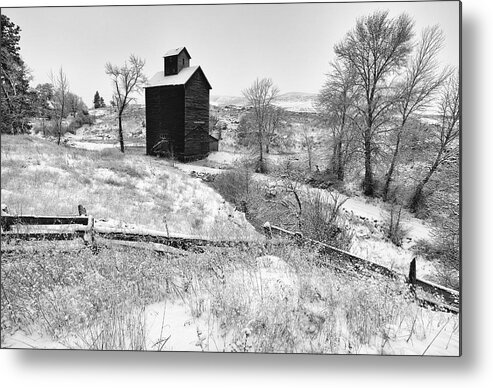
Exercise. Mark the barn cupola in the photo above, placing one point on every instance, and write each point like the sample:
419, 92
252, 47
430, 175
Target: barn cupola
176, 60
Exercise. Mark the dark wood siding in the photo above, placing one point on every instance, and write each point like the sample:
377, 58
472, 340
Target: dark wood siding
165, 116
175, 63
183, 60
171, 65
213, 144
196, 116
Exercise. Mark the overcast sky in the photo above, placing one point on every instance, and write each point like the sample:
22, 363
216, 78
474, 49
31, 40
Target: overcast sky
234, 44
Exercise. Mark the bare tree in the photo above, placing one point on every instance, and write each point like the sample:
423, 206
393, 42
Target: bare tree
260, 96
213, 122
336, 103
75, 104
422, 79
308, 143
376, 48
126, 79
216, 126
446, 132
275, 118
61, 88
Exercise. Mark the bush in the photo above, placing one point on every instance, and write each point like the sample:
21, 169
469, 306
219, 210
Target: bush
81, 118
235, 187
316, 216
322, 220
444, 252
50, 127
322, 180
395, 231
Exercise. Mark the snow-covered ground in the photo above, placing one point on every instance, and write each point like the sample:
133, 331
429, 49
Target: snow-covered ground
369, 242
191, 326
293, 101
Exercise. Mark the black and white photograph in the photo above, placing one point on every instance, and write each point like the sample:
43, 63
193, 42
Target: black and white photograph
232, 178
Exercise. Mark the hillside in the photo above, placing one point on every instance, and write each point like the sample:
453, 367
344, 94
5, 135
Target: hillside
263, 298
39, 177
293, 101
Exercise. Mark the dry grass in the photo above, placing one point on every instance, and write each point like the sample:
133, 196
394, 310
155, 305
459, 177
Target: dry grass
39, 177
236, 300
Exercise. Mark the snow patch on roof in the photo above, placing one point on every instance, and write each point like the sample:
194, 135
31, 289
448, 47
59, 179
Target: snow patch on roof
176, 51
181, 78
177, 79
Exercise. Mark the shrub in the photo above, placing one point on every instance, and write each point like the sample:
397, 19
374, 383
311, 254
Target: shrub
444, 252
322, 220
395, 231
81, 118
322, 180
236, 187
316, 216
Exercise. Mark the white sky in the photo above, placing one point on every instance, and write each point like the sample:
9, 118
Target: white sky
234, 44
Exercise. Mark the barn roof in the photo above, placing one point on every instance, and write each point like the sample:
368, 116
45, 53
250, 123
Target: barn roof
177, 79
177, 51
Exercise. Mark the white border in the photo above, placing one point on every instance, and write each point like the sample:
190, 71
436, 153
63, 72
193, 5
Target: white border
474, 369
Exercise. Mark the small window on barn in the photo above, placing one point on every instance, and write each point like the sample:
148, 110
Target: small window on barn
183, 61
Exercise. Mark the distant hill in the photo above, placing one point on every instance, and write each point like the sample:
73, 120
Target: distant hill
292, 101
297, 101
228, 100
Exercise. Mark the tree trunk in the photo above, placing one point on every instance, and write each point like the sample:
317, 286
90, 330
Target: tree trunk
418, 192
368, 188
120, 132
390, 172
340, 162
333, 157
261, 168
416, 198
60, 131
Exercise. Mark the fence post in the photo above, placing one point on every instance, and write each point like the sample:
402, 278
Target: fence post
412, 272
89, 232
411, 279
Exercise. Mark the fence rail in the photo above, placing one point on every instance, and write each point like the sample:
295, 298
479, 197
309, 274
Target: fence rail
434, 295
175, 241
81, 226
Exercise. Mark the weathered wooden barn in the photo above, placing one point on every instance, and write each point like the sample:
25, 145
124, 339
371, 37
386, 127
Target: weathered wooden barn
177, 109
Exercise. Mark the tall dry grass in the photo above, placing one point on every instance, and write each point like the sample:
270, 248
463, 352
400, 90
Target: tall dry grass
39, 177
263, 298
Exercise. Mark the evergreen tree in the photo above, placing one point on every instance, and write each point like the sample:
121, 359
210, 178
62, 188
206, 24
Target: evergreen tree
97, 100
15, 94
102, 103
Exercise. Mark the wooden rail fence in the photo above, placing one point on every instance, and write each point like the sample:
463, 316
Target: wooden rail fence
82, 226
26, 227
432, 294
